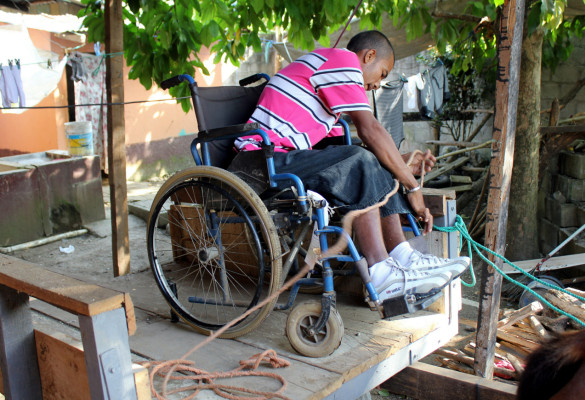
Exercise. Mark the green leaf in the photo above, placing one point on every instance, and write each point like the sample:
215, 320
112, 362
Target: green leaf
257, 5
383, 393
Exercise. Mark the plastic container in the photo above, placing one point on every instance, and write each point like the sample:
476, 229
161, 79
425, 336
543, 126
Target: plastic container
79, 138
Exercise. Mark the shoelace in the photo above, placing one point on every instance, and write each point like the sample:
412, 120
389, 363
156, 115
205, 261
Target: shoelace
426, 258
410, 273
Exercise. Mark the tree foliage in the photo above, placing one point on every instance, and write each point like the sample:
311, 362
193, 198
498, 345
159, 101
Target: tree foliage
162, 38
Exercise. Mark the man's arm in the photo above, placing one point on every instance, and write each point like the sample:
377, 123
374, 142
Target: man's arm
375, 137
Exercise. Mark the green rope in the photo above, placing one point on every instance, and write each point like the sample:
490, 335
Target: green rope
460, 227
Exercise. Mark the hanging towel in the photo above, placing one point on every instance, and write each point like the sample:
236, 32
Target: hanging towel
411, 93
389, 105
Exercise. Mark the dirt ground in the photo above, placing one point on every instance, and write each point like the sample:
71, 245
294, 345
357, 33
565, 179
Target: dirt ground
91, 259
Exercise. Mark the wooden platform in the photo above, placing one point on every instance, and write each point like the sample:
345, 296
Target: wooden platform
372, 350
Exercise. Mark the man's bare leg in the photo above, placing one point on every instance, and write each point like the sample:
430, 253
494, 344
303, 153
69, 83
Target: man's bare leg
392, 231
368, 231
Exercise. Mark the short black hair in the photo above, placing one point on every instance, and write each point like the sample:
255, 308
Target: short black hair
371, 40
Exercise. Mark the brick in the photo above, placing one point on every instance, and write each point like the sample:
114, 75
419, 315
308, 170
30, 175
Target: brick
573, 164
575, 246
548, 236
562, 214
572, 189
580, 214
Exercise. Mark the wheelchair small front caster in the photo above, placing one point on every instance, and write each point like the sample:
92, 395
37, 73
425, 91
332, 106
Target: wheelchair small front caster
306, 340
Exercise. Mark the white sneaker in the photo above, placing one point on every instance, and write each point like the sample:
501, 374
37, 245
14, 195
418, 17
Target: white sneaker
400, 281
432, 264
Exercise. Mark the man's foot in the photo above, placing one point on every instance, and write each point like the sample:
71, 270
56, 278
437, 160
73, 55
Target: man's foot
393, 280
432, 264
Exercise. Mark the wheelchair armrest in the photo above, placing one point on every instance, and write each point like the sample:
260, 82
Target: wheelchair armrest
227, 132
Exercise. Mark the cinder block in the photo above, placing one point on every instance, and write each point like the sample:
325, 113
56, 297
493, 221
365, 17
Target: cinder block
548, 236
562, 214
575, 246
580, 214
572, 164
572, 189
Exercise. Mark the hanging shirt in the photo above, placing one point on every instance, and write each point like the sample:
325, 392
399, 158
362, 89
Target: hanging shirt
435, 91
301, 103
11, 87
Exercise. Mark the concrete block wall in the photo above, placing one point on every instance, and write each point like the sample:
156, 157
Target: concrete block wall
563, 192
558, 83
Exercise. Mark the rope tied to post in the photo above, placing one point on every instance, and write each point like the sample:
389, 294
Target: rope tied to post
476, 247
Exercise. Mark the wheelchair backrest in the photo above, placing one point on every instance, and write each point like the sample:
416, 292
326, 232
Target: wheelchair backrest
222, 106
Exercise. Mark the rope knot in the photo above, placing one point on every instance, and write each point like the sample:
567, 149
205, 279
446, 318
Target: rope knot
268, 356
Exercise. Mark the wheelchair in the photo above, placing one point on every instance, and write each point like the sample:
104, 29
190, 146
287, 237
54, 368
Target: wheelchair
222, 238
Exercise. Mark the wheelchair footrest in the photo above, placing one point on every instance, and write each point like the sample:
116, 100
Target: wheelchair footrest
408, 304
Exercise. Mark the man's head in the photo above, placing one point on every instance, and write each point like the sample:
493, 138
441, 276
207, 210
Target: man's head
376, 56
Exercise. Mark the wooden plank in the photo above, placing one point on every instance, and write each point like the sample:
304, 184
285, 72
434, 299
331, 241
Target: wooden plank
531, 309
511, 21
62, 366
546, 130
424, 381
59, 290
446, 168
63, 370
553, 263
116, 136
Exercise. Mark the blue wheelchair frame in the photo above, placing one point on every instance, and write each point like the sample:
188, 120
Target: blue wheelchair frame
302, 202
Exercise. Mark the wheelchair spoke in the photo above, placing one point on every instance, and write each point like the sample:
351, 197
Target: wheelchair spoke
218, 248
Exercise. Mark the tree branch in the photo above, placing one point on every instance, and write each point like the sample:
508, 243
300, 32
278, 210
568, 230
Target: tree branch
573, 92
461, 17
563, 101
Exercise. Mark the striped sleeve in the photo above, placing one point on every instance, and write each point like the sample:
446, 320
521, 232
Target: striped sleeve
339, 83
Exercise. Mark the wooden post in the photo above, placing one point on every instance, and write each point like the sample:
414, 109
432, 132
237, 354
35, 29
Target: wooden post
511, 21
116, 136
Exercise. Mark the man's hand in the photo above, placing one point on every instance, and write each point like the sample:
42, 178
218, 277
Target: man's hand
422, 213
417, 162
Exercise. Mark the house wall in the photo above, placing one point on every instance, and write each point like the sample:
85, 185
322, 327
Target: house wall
154, 130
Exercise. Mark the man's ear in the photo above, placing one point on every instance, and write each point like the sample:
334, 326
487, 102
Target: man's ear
369, 56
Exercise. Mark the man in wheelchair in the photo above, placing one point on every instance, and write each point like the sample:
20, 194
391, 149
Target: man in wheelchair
299, 107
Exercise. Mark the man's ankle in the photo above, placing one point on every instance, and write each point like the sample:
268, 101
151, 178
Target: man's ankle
401, 252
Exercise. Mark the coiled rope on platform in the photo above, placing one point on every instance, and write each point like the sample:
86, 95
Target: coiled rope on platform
460, 227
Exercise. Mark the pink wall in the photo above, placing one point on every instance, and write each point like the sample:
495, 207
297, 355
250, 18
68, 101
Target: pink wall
43, 129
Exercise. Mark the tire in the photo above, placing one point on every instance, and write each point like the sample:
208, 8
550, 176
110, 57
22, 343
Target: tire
213, 250
324, 342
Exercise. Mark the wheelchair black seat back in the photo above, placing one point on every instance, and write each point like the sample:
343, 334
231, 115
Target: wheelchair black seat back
224, 106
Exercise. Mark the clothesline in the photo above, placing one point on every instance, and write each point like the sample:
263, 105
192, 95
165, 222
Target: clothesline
93, 104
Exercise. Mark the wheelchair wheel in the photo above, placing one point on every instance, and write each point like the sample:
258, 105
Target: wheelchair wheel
321, 344
213, 250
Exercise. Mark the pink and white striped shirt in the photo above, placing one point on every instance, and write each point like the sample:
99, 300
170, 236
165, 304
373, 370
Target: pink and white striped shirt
301, 103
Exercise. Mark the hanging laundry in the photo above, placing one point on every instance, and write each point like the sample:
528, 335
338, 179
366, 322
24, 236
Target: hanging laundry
79, 72
411, 92
435, 91
11, 86
389, 105
93, 91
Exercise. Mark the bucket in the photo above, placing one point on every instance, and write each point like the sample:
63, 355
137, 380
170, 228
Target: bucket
79, 138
